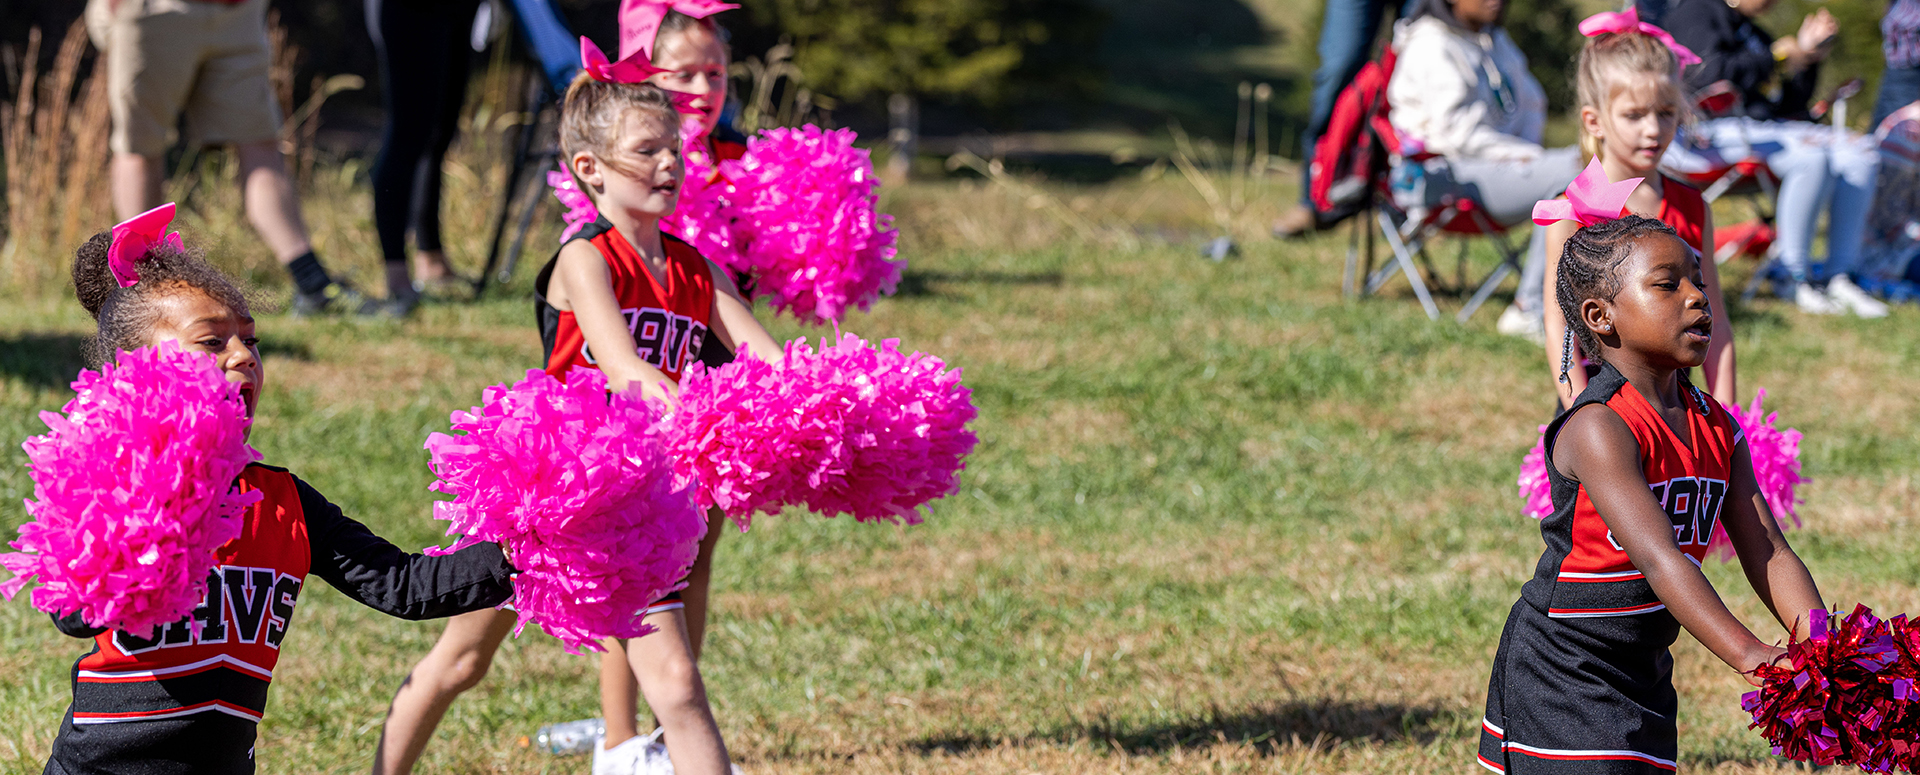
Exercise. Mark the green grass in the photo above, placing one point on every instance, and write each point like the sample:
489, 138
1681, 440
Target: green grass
1220, 519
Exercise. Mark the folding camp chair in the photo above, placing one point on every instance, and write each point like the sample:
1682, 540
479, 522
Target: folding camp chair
1409, 236
557, 52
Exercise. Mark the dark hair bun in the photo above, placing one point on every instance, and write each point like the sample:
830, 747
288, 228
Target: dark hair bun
92, 281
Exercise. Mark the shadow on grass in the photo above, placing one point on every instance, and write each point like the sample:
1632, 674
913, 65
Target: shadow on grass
1320, 722
42, 360
921, 283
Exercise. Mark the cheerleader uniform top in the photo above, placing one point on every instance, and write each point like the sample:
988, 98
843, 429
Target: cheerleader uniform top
187, 697
1582, 681
669, 317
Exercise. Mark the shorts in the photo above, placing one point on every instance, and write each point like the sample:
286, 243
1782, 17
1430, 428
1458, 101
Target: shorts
206, 61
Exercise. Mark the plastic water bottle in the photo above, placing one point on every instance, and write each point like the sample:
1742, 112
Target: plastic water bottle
573, 737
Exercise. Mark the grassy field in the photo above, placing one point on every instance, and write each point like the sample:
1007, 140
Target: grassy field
1220, 519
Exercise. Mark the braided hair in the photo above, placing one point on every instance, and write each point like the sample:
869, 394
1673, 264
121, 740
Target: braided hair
1590, 269
125, 316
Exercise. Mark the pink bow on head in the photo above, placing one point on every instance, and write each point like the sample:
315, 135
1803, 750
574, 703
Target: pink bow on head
1629, 21
631, 69
134, 236
1590, 199
640, 20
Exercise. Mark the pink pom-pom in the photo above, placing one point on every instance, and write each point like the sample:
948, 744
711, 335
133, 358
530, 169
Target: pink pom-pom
756, 440
704, 215
580, 209
1776, 457
906, 427
576, 486
134, 491
847, 430
1534, 486
816, 244
1846, 698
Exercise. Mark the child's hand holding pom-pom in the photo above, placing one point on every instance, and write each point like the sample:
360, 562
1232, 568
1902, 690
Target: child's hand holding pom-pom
576, 486
134, 491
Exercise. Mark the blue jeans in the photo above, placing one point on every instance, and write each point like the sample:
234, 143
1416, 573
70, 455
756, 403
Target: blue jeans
1899, 87
1815, 164
1347, 30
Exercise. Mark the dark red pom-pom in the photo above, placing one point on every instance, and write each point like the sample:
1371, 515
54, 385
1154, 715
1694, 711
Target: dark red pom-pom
1846, 697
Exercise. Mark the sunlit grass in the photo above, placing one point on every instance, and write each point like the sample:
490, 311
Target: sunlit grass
1220, 519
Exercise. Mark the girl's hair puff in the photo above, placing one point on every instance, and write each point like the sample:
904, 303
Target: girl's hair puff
1590, 268
1616, 54
591, 115
125, 317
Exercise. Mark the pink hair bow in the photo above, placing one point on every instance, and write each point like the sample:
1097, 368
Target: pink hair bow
1590, 199
134, 236
630, 69
640, 20
1629, 21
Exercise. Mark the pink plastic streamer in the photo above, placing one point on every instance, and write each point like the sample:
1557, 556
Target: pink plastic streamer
577, 487
1629, 21
134, 491
640, 20
850, 429
704, 215
1776, 468
580, 209
132, 238
1590, 199
817, 246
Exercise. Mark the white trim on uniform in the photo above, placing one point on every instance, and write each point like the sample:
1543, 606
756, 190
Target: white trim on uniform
1550, 753
160, 672
1625, 575
1580, 614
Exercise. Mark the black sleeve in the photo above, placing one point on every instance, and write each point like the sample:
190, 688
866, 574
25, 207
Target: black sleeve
410, 586
73, 627
1710, 32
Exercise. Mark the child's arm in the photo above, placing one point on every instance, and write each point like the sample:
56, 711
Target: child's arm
1596, 449
586, 287
410, 586
733, 319
1557, 235
1776, 573
1719, 366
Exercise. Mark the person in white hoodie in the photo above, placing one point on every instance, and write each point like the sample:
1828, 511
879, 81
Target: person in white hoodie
1461, 90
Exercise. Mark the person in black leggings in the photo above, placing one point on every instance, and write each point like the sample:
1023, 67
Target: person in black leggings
424, 60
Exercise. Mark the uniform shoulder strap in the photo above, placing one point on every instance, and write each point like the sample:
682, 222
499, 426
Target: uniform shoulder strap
1600, 390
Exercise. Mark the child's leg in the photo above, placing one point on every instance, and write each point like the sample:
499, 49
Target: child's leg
619, 692
457, 663
670, 679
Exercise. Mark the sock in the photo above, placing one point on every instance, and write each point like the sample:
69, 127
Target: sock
399, 282
308, 275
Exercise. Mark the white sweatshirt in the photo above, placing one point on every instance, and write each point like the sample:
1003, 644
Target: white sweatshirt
1464, 95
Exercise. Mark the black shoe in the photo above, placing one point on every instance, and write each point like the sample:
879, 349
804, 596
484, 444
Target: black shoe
399, 308
336, 297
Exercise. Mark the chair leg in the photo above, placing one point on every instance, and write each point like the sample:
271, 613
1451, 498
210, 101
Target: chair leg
1509, 264
537, 103
1403, 260
1353, 258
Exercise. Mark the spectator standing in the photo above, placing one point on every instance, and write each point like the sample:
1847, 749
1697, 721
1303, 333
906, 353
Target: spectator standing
425, 57
205, 60
1774, 80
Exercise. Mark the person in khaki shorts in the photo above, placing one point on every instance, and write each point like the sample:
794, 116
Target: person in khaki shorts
206, 61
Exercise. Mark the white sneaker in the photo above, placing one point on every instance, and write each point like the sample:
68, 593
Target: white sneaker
1813, 302
1515, 322
627, 758
653, 757
1844, 293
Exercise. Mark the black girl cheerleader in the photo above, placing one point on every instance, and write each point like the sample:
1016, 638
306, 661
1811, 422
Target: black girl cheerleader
1643, 468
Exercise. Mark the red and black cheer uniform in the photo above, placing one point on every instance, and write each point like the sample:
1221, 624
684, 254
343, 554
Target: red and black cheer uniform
187, 698
671, 321
1583, 681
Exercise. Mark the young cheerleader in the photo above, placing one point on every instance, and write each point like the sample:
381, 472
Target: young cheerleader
1643, 466
1630, 104
641, 306
189, 699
